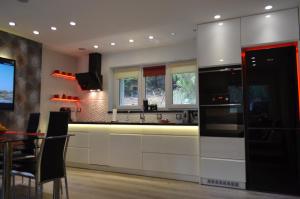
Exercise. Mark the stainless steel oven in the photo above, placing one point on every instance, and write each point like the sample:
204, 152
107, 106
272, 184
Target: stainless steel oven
221, 102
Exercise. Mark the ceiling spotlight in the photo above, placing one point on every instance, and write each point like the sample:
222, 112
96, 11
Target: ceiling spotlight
173, 33
53, 28
151, 37
96, 46
220, 24
72, 23
36, 32
217, 16
12, 23
131, 40
221, 60
112, 43
268, 7
268, 16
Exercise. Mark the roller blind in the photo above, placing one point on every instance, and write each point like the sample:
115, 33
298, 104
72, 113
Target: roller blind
126, 73
154, 71
183, 67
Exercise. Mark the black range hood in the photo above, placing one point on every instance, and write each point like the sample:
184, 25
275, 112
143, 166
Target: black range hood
92, 80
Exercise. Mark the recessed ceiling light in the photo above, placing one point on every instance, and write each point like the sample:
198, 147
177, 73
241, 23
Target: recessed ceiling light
253, 61
36, 32
131, 40
151, 37
173, 33
217, 16
268, 7
96, 46
53, 28
221, 60
268, 16
112, 43
72, 23
220, 24
12, 23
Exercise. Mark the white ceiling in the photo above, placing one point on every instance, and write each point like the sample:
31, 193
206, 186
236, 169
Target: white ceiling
103, 21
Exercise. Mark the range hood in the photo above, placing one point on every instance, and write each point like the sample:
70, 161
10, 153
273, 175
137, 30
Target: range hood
92, 80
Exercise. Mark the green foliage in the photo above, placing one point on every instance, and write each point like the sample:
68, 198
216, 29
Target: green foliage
184, 88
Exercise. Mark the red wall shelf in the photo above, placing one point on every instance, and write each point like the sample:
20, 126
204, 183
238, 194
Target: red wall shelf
58, 99
64, 75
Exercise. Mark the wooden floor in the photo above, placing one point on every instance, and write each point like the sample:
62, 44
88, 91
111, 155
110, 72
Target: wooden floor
88, 184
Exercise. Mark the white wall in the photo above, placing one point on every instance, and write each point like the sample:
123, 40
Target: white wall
96, 105
51, 61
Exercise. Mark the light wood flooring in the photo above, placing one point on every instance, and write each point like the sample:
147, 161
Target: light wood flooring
88, 184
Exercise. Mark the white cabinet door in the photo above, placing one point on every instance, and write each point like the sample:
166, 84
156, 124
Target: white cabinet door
79, 140
169, 163
224, 148
78, 155
233, 170
219, 43
180, 145
125, 151
99, 146
272, 27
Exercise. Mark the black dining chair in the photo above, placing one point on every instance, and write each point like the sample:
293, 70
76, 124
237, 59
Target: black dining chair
50, 162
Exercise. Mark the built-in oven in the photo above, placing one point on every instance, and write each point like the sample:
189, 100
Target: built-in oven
221, 101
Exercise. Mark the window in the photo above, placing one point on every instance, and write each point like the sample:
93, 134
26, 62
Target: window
155, 85
127, 87
183, 88
128, 92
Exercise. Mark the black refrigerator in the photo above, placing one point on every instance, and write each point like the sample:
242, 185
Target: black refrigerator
271, 109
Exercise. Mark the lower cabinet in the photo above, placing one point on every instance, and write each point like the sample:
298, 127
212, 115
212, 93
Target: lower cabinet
169, 154
170, 163
125, 151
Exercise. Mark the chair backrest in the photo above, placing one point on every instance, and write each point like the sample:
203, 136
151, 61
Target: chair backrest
52, 163
58, 124
52, 152
32, 127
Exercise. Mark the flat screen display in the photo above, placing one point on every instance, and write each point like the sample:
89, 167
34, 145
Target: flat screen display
7, 84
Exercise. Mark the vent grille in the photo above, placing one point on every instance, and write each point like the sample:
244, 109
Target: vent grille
222, 183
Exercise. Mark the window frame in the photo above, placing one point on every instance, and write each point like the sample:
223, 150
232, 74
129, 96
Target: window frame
117, 87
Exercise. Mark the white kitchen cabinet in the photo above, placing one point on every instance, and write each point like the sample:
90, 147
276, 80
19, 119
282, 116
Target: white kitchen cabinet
78, 155
223, 169
274, 27
80, 139
99, 147
125, 151
170, 163
180, 145
224, 148
219, 43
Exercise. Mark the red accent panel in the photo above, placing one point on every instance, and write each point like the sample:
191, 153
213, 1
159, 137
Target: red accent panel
154, 71
64, 100
65, 76
270, 46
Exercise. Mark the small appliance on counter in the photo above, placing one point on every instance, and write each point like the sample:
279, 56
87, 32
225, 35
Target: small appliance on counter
188, 117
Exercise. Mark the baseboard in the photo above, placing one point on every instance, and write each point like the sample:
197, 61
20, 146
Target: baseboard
156, 174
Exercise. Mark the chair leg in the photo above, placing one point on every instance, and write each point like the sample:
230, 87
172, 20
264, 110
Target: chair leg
61, 188
66, 186
14, 186
29, 188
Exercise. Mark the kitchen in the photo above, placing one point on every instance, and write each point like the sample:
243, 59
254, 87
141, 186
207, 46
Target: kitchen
212, 131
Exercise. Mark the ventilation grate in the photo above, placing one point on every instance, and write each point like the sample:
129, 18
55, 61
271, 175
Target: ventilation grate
222, 183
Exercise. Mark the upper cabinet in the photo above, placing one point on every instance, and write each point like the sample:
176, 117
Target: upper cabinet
219, 43
272, 27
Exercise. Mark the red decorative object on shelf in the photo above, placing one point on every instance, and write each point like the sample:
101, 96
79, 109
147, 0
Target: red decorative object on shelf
62, 74
65, 98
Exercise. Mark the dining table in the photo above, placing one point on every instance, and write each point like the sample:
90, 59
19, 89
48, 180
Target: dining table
8, 139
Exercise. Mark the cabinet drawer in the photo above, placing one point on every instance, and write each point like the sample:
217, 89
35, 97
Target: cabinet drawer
225, 148
232, 170
79, 140
178, 164
181, 145
78, 155
125, 151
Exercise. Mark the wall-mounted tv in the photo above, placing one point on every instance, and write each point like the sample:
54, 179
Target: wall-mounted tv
7, 84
